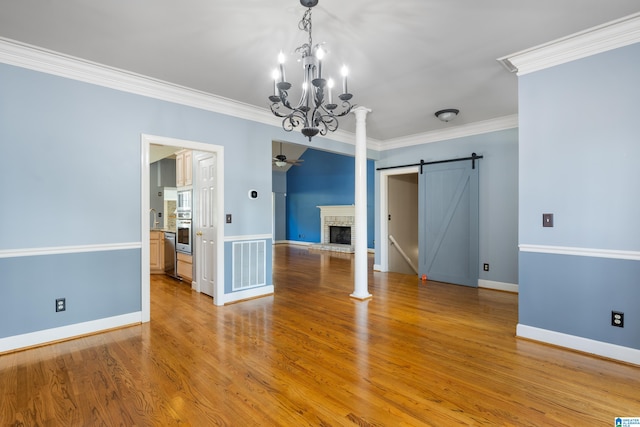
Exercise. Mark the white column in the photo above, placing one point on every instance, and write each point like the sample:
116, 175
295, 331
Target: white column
361, 290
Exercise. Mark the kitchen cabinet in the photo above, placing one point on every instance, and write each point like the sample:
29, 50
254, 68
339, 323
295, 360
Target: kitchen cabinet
156, 252
185, 266
184, 169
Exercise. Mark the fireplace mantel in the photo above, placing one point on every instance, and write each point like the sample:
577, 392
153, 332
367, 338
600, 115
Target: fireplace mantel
337, 210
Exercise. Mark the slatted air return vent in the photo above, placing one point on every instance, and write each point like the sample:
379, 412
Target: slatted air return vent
249, 264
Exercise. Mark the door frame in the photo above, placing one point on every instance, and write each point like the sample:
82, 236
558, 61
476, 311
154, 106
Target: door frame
145, 142
384, 211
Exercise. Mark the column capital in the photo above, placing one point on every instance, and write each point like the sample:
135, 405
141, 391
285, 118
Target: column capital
361, 112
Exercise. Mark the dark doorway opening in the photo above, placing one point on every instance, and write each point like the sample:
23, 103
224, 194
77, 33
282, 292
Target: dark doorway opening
340, 235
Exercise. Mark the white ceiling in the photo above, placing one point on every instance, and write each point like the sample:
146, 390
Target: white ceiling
407, 58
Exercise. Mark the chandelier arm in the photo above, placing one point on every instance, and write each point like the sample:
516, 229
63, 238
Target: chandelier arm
328, 121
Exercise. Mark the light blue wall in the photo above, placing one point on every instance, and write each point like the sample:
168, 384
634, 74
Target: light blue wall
498, 187
71, 170
95, 285
579, 154
279, 182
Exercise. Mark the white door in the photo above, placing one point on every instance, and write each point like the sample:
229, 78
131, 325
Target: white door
206, 186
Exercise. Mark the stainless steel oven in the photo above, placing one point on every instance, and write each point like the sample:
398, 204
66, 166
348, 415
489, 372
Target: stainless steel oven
183, 232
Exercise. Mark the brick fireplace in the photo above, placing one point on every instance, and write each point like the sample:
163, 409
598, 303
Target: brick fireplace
341, 216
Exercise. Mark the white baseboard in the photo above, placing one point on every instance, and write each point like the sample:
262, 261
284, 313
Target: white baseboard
18, 342
599, 348
377, 267
500, 286
292, 242
248, 294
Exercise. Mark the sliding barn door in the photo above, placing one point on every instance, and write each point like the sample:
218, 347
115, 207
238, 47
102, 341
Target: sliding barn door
448, 222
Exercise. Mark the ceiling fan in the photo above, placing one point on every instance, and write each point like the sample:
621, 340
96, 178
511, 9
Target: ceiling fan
281, 160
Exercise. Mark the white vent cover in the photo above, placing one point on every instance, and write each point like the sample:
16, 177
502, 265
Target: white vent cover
249, 264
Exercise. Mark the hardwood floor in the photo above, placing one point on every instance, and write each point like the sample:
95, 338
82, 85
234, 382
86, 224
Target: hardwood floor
414, 354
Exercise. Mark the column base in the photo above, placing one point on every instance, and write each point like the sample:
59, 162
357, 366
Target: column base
361, 297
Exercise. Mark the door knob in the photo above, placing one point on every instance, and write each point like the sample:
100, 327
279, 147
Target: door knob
199, 233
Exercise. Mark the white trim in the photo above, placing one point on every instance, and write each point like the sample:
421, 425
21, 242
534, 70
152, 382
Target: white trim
608, 36
56, 250
248, 294
376, 267
383, 207
145, 141
294, 242
44, 60
35, 58
500, 286
588, 252
599, 348
31, 339
470, 129
248, 237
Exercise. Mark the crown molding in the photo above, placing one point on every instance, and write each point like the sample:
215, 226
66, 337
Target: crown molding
39, 59
47, 61
35, 58
611, 35
470, 129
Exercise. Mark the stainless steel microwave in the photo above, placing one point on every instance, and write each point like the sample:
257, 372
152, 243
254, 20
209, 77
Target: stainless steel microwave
184, 201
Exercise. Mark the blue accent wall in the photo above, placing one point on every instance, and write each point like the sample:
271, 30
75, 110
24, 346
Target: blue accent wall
579, 153
325, 178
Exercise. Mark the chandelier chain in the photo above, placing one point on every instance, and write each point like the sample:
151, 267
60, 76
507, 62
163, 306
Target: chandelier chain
306, 25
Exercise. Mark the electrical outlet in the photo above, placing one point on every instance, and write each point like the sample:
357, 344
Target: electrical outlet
61, 304
617, 319
486, 267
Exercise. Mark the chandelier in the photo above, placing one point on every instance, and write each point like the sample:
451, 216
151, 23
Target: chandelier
314, 113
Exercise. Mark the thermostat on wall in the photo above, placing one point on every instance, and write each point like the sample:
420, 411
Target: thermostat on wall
253, 194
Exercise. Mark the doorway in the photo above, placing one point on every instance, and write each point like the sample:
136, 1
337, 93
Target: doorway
389, 177
402, 218
217, 257
447, 222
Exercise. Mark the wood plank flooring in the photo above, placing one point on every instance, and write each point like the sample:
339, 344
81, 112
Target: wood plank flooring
414, 355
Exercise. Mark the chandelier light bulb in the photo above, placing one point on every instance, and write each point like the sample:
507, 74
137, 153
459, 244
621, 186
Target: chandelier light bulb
281, 62
330, 89
275, 74
345, 72
319, 57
